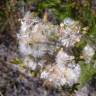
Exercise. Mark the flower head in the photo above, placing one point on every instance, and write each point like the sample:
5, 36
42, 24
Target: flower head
62, 58
88, 53
60, 76
71, 33
31, 64
68, 21
64, 72
36, 42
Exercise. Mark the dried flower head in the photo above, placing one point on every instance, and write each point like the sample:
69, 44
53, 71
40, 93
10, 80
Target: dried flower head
62, 58
60, 76
64, 72
88, 53
71, 33
36, 42
68, 21
34, 38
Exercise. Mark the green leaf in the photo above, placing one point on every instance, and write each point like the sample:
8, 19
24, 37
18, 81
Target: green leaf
16, 61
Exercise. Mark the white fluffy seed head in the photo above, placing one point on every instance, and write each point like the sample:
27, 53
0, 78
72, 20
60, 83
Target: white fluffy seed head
64, 72
31, 64
88, 53
68, 21
60, 76
71, 33
62, 57
34, 40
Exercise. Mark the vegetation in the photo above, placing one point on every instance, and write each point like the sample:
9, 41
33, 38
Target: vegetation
76, 9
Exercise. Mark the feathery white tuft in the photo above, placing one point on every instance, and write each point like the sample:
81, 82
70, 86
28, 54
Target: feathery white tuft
70, 33
88, 52
64, 72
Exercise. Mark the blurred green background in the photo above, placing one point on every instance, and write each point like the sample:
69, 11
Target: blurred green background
83, 10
